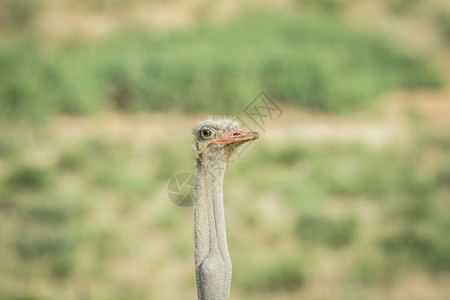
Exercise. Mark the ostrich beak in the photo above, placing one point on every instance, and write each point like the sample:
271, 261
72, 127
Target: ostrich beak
237, 135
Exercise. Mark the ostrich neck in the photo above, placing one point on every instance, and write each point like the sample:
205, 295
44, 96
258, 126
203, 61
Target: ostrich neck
212, 260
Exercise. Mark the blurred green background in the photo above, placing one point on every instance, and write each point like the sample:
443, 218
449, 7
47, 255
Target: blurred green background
346, 195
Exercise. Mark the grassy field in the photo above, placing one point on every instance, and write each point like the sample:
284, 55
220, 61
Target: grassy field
315, 62
85, 215
345, 196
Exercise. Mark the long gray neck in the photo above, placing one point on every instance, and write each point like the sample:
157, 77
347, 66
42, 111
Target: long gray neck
212, 260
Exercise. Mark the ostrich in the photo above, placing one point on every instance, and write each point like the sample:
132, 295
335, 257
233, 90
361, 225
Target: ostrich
214, 142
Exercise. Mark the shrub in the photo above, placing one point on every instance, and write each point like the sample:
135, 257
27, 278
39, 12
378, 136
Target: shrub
442, 22
403, 6
315, 62
427, 248
320, 229
54, 209
331, 6
274, 276
44, 241
18, 14
29, 177
9, 294
73, 160
442, 176
62, 265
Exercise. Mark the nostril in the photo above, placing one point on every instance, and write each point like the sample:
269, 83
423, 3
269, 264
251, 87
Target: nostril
235, 134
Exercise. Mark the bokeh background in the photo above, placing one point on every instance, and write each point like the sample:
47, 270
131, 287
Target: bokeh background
346, 195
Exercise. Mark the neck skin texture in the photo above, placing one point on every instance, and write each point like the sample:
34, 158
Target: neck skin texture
212, 260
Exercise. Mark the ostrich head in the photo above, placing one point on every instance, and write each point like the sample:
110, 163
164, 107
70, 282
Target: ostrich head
215, 139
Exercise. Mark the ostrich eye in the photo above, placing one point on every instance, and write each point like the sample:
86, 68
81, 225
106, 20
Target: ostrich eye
206, 133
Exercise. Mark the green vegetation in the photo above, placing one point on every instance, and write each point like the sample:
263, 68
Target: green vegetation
40, 242
427, 247
329, 6
321, 196
403, 6
410, 196
315, 62
442, 21
273, 275
84, 213
335, 233
19, 14
28, 177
